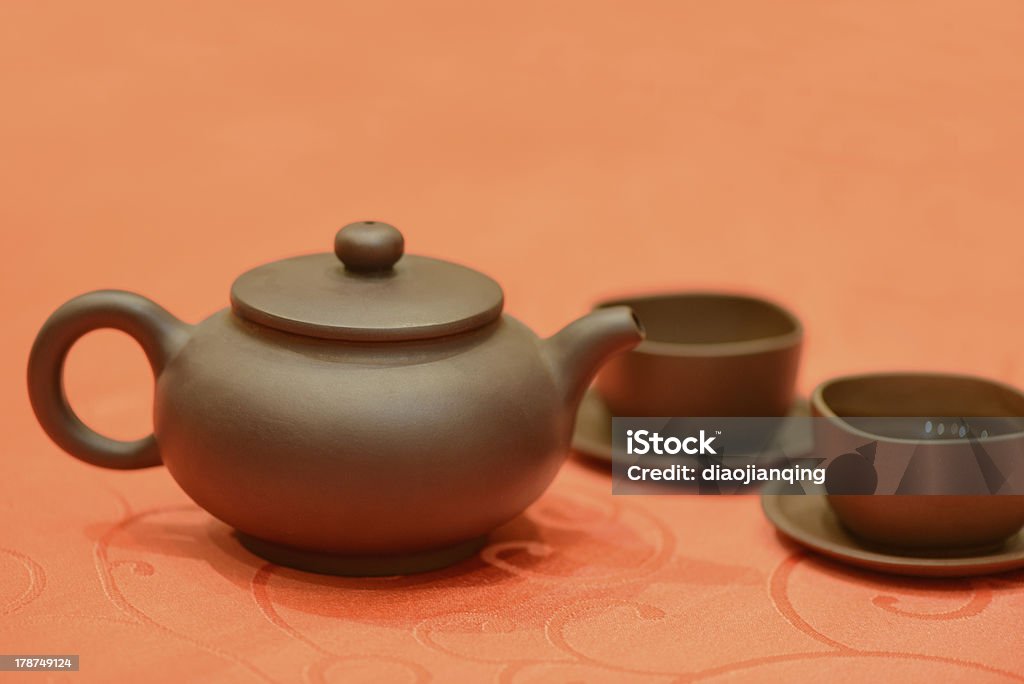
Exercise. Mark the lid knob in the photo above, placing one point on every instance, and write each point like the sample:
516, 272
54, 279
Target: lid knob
369, 246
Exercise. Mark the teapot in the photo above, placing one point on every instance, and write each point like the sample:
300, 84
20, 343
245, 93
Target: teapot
362, 412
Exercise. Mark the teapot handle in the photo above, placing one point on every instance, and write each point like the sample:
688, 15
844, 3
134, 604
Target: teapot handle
159, 333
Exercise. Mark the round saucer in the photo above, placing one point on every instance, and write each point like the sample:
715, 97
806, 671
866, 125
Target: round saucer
593, 434
808, 520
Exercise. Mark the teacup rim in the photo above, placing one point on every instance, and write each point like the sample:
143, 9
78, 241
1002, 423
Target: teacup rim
819, 405
756, 345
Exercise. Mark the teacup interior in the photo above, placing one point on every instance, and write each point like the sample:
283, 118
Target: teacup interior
923, 406
697, 319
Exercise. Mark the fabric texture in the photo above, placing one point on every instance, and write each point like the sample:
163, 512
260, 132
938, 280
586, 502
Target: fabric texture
861, 162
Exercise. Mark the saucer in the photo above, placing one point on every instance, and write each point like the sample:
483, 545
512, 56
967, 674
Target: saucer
593, 434
808, 520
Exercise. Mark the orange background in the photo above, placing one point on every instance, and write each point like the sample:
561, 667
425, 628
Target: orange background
862, 162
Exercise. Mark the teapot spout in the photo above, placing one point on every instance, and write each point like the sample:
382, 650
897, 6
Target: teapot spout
579, 349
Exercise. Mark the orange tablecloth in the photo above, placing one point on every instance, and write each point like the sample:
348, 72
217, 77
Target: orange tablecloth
862, 162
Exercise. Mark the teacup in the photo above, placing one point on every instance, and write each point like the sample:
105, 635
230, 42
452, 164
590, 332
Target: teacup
923, 416
705, 354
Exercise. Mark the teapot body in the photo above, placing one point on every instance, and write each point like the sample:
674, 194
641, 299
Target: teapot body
356, 448
364, 412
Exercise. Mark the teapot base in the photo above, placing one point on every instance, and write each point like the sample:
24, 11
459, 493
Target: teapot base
361, 566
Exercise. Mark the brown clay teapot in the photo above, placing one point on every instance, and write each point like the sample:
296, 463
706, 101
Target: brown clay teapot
361, 413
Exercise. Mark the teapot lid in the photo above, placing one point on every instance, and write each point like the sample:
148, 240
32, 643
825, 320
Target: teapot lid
367, 291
